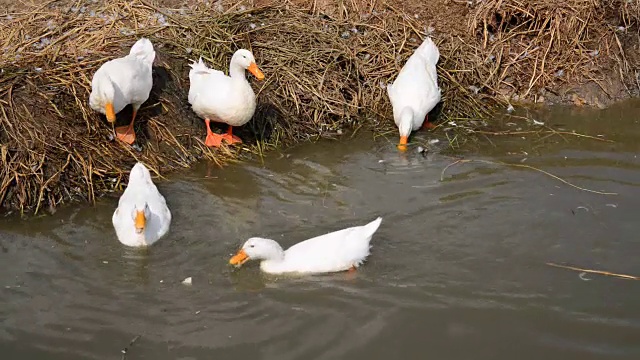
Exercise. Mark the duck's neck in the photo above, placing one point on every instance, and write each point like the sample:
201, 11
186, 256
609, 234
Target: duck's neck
274, 261
236, 71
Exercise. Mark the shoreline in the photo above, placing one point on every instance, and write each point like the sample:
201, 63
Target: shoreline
326, 71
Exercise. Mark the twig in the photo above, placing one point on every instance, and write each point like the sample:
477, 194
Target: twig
599, 272
525, 167
125, 351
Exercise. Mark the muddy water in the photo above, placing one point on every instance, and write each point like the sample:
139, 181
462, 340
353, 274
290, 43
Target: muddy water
458, 268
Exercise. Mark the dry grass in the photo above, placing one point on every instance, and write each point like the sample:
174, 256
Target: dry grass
324, 75
533, 47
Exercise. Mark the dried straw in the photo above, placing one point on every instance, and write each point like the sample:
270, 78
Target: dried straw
324, 75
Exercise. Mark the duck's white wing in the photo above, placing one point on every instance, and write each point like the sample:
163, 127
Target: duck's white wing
336, 251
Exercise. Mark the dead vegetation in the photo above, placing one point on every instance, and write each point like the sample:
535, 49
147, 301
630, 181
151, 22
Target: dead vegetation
324, 74
537, 49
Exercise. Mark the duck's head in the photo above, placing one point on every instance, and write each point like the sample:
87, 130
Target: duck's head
245, 59
257, 249
102, 95
140, 215
405, 126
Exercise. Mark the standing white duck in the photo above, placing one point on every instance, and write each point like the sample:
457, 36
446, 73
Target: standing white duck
123, 81
340, 250
142, 216
415, 91
221, 98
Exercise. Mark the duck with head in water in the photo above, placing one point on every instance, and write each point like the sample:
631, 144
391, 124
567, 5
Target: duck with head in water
415, 91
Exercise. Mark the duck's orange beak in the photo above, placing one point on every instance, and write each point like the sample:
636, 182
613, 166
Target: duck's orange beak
402, 146
140, 221
240, 258
253, 68
108, 110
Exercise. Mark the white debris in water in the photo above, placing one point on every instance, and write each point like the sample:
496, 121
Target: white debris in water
420, 149
433, 141
559, 73
243, 8
475, 89
582, 276
536, 122
367, 56
38, 69
187, 281
510, 108
354, 30
416, 16
612, 205
188, 50
594, 53
622, 29
252, 26
380, 161
453, 123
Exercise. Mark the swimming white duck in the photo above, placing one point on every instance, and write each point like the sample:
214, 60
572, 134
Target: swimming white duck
340, 250
415, 91
227, 99
123, 81
142, 216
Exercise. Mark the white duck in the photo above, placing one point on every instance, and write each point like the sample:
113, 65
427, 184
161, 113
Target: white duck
337, 251
142, 216
123, 81
415, 91
227, 99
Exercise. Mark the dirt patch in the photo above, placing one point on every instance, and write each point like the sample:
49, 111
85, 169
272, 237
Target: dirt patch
327, 64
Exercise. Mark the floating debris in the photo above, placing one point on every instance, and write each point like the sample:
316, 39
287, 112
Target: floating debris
187, 281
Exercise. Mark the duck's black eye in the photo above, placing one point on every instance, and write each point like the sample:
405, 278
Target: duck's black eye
252, 245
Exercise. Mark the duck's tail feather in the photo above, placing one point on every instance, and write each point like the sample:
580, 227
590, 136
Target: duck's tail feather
372, 227
198, 68
429, 51
143, 51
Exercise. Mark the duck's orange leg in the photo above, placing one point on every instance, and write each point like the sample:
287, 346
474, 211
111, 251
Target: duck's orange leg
126, 133
426, 124
230, 138
213, 139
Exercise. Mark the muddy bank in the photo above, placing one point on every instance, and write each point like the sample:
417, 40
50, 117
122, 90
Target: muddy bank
326, 64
